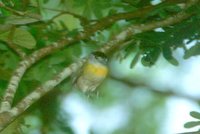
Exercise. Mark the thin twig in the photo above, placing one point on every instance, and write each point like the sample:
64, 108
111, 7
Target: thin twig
10, 44
83, 20
12, 10
16, 49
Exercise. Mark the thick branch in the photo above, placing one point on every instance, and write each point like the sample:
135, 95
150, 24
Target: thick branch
135, 29
8, 116
22, 67
47, 86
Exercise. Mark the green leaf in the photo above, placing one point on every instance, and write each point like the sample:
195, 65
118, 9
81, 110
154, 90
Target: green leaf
173, 8
98, 12
192, 124
112, 12
135, 59
162, 14
24, 39
130, 49
21, 38
173, 61
193, 51
87, 12
5, 28
73, 33
39, 72
4, 36
193, 9
3, 47
10, 60
21, 20
150, 56
132, 2
195, 114
167, 53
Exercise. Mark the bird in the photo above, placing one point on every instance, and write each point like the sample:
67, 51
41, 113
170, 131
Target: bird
92, 73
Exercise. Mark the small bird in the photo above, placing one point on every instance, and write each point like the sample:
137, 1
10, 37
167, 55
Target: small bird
93, 72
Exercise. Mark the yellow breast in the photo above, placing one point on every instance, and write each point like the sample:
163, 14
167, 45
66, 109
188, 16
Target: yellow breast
97, 70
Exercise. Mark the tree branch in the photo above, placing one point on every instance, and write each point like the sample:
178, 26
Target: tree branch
20, 70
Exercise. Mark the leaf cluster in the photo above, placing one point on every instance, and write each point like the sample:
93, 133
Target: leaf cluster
164, 41
196, 123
